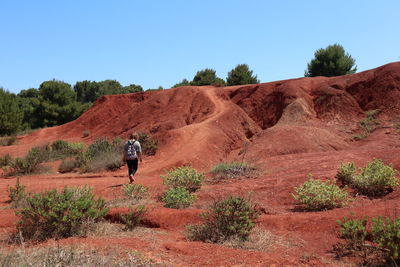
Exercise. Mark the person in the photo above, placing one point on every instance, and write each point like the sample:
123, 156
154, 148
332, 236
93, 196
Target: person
132, 155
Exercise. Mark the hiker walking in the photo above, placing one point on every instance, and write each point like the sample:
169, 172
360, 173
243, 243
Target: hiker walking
132, 154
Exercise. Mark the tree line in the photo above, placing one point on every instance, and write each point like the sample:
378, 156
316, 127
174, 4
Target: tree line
57, 102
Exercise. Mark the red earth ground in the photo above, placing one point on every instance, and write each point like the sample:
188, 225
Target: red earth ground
288, 129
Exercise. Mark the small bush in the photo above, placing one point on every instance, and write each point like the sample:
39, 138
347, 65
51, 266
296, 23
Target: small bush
134, 217
231, 170
375, 179
233, 217
6, 160
178, 198
101, 155
359, 137
57, 215
148, 144
186, 177
17, 194
61, 149
31, 163
386, 233
320, 195
68, 165
368, 124
8, 140
135, 191
346, 172
354, 231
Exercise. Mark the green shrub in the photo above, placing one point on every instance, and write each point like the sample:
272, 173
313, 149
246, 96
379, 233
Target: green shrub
31, 163
68, 165
134, 217
8, 140
17, 194
102, 155
369, 123
61, 149
375, 179
354, 231
386, 233
57, 215
135, 191
346, 172
178, 198
320, 195
6, 160
233, 217
231, 170
148, 144
186, 177
359, 137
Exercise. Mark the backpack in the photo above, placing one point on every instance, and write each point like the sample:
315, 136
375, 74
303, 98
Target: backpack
130, 150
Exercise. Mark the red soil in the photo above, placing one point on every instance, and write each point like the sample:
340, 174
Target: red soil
288, 128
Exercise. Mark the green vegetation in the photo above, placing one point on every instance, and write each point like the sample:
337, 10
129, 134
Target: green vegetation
102, 155
8, 140
148, 144
320, 195
354, 231
346, 172
134, 217
5, 160
178, 198
135, 191
70, 257
17, 194
56, 215
185, 177
369, 123
241, 74
10, 115
232, 170
375, 179
207, 77
233, 217
384, 233
331, 61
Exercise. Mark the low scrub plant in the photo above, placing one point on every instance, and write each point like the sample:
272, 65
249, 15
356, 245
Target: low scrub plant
31, 162
68, 165
384, 233
320, 195
61, 149
369, 123
134, 217
375, 179
135, 191
53, 214
233, 217
354, 231
178, 198
66, 256
8, 140
148, 144
17, 194
231, 170
346, 172
101, 155
5, 160
185, 177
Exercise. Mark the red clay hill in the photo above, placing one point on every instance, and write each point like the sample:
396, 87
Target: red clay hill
288, 128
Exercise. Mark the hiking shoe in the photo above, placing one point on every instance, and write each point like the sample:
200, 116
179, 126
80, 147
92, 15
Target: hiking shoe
131, 180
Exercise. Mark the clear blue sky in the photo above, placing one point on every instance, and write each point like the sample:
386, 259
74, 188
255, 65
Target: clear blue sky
154, 43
